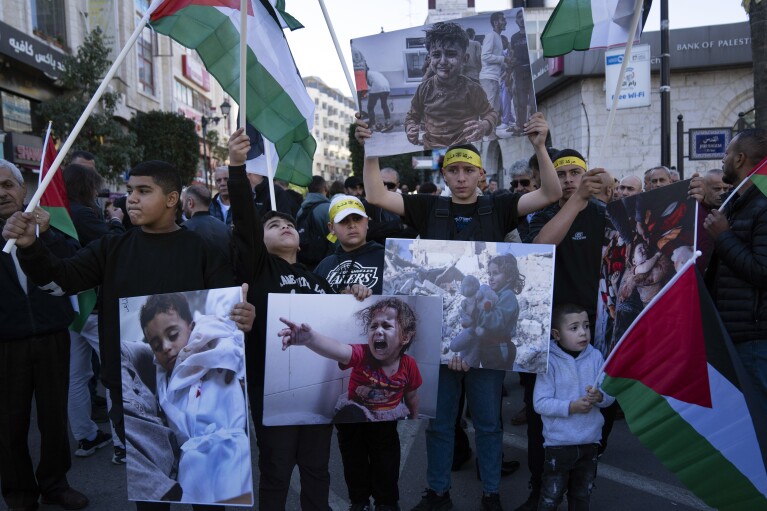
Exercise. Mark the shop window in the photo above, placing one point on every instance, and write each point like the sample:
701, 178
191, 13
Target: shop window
49, 21
16, 112
144, 52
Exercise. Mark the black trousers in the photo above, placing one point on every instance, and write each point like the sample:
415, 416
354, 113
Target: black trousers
281, 448
535, 451
35, 367
370, 453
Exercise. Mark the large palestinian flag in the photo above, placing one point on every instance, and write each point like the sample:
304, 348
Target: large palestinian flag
56, 203
278, 105
686, 396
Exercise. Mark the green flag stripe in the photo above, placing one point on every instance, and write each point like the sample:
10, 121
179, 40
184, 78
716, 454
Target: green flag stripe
61, 220
761, 182
270, 109
569, 28
684, 451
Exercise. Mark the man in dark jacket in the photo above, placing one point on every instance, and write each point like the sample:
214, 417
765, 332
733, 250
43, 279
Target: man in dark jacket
737, 273
34, 360
195, 202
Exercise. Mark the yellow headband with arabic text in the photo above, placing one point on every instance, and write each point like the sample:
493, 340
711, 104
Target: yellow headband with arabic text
461, 154
569, 160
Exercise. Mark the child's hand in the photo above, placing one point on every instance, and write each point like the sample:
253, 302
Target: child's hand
457, 364
479, 331
536, 129
362, 131
580, 405
244, 313
20, 227
412, 132
594, 395
295, 335
359, 291
239, 145
475, 130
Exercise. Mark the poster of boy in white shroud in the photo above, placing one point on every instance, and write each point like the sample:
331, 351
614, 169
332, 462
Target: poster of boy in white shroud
183, 380
432, 86
497, 297
335, 359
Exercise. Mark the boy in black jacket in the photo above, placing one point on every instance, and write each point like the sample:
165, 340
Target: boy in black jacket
159, 257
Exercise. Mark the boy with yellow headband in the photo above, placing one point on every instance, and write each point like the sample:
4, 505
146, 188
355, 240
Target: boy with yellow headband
576, 224
465, 216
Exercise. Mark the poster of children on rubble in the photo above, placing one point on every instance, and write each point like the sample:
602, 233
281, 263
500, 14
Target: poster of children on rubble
184, 398
648, 237
445, 83
496, 297
334, 359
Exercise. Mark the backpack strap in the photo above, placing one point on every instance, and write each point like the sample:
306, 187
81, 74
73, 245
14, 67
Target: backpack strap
441, 229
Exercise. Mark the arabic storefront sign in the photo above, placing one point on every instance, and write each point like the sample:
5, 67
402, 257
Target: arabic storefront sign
25, 48
709, 143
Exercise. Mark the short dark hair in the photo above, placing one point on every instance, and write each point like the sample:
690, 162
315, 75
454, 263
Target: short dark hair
447, 32
85, 155
157, 304
495, 17
406, 318
200, 193
317, 184
470, 32
533, 161
82, 184
336, 187
271, 214
162, 173
561, 310
427, 187
753, 143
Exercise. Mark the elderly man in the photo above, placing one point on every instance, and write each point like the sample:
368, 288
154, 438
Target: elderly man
219, 206
629, 185
522, 180
657, 177
714, 188
34, 361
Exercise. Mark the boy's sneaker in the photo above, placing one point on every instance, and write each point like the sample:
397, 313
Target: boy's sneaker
119, 456
433, 502
387, 127
360, 506
491, 502
87, 447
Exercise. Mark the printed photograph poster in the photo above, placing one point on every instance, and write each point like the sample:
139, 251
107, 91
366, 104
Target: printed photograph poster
648, 237
386, 365
473, 83
496, 297
186, 414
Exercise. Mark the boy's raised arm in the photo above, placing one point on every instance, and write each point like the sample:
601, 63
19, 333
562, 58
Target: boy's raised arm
550, 191
375, 191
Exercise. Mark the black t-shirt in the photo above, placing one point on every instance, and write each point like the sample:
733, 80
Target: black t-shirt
576, 270
420, 208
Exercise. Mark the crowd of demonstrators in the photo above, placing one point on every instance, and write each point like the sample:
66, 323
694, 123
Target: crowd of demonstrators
237, 238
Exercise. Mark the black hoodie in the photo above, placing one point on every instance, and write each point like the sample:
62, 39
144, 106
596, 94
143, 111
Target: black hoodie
360, 266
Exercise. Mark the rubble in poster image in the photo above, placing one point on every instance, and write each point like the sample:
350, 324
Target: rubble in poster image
437, 268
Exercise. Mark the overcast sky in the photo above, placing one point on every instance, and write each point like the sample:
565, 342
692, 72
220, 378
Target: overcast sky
315, 54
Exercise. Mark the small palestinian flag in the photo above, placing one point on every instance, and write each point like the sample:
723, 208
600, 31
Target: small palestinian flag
759, 176
56, 203
686, 396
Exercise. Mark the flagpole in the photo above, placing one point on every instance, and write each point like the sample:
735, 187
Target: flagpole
243, 62
655, 298
349, 80
84, 117
626, 56
269, 154
42, 164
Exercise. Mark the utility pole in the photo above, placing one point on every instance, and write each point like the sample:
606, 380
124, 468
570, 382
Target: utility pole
665, 87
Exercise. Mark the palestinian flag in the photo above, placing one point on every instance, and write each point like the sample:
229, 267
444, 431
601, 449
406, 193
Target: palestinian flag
56, 203
278, 105
759, 176
686, 396
590, 24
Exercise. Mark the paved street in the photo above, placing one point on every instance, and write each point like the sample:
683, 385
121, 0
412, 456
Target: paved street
630, 478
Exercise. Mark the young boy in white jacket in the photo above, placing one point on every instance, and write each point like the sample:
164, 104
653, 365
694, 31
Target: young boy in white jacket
566, 400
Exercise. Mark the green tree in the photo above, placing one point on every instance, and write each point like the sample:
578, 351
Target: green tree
216, 146
403, 163
103, 135
169, 137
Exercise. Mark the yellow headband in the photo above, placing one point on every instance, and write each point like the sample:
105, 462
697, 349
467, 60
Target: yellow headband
462, 155
569, 160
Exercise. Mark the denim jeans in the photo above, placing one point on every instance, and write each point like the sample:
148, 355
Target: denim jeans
570, 468
753, 354
483, 391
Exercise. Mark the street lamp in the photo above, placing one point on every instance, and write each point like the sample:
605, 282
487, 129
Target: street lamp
225, 109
